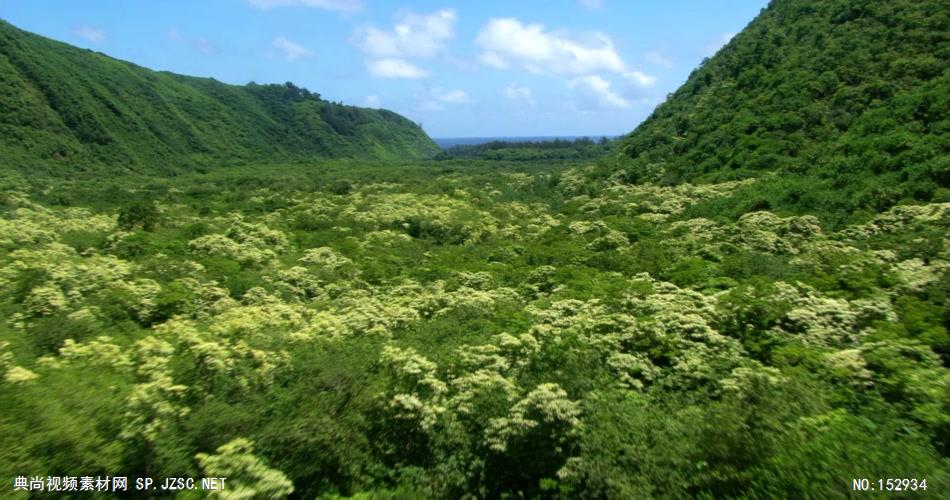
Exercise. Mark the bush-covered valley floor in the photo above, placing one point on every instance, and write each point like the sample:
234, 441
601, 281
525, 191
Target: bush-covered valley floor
453, 329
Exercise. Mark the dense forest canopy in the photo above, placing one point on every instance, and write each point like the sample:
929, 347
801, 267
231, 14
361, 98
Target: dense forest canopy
841, 104
748, 296
583, 148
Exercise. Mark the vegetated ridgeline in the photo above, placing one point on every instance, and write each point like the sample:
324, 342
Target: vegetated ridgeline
848, 102
493, 327
65, 107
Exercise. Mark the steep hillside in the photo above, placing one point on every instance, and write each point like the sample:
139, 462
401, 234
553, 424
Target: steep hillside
848, 102
60, 105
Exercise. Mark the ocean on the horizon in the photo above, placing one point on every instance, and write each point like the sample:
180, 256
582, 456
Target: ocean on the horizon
448, 142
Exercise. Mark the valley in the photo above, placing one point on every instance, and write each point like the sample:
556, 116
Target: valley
747, 296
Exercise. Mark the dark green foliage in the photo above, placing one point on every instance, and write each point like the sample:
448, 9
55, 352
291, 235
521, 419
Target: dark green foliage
62, 107
558, 149
142, 215
845, 102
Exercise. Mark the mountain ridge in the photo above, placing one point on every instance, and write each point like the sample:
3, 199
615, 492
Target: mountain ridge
847, 102
66, 105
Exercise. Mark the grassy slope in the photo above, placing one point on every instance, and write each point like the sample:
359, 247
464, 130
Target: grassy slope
847, 101
60, 105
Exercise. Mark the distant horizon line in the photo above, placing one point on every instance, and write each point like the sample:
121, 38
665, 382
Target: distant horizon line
525, 136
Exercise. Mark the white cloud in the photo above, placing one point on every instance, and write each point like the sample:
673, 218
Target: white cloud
640, 78
371, 101
439, 97
534, 48
413, 36
659, 60
518, 92
493, 59
452, 96
395, 68
337, 5
290, 50
598, 88
591, 4
90, 34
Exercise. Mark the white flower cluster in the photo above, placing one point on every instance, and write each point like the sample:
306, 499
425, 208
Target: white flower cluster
248, 475
481, 384
524, 221
98, 351
898, 218
761, 231
385, 238
67, 278
600, 236
31, 223
325, 257
546, 404
73, 274
221, 352
441, 213
13, 374
651, 202
244, 242
207, 298
299, 281
827, 321
916, 275
156, 400
138, 296
419, 392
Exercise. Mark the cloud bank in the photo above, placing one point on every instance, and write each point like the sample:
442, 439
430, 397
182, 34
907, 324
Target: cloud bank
413, 36
507, 41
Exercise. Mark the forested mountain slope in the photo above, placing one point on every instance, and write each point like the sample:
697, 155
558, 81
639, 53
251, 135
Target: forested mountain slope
65, 107
507, 322
848, 102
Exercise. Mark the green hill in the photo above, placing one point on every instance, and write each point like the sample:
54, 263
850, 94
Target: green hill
847, 102
65, 106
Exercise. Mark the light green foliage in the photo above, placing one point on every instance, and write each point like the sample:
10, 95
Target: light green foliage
419, 389
452, 339
247, 475
155, 402
546, 404
251, 244
900, 218
918, 275
325, 258
44, 301
448, 219
98, 351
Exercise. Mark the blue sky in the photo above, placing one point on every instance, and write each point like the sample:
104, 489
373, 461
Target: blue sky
462, 69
